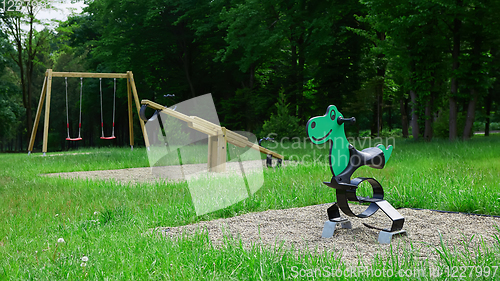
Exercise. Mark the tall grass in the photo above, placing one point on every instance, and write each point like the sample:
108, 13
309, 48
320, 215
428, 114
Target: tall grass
106, 220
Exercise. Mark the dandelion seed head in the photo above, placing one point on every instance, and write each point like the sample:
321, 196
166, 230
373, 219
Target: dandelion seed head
60, 240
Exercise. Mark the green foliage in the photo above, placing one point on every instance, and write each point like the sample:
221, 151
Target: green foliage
242, 111
173, 130
365, 134
479, 126
244, 52
11, 108
283, 124
495, 126
385, 133
9, 114
394, 133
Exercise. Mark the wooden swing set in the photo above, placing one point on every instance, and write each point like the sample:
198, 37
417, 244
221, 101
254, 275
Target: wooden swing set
46, 95
218, 136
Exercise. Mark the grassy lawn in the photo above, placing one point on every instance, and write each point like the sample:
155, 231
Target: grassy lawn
105, 221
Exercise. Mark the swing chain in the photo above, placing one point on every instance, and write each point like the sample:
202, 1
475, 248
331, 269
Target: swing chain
67, 111
102, 115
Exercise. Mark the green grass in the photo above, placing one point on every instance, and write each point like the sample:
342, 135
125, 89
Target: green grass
36, 211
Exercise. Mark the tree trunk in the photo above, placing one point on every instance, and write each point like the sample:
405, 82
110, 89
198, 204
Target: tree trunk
301, 58
251, 78
453, 116
471, 112
389, 121
185, 56
185, 66
373, 126
404, 116
300, 75
376, 126
454, 83
293, 70
414, 115
488, 113
471, 109
379, 91
22, 73
428, 119
429, 105
29, 71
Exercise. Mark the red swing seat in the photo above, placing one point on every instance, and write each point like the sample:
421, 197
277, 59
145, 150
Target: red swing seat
112, 137
74, 139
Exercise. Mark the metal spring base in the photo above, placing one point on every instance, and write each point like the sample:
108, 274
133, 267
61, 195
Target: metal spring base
347, 192
384, 236
329, 227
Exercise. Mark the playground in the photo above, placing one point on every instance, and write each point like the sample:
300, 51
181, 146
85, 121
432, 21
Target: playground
439, 199
249, 140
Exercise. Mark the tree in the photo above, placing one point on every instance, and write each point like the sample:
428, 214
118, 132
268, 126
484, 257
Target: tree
481, 37
27, 44
423, 37
283, 124
10, 104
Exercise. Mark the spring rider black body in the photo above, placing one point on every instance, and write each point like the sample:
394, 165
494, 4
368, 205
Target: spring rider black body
344, 160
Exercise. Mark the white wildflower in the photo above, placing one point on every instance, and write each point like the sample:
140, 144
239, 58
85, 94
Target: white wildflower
83, 264
96, 213
57, 215
60, 240
85, 259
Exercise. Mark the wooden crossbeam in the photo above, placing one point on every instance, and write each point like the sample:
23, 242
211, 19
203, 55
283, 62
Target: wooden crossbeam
89, 75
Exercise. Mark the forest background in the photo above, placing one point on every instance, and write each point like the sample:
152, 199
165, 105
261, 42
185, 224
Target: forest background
418, 69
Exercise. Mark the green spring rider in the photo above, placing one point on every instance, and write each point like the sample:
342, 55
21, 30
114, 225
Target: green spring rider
344, 161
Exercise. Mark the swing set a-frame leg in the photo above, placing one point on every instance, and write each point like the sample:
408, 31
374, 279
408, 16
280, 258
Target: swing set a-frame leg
130, 118
47, 112
43, 94
138, 106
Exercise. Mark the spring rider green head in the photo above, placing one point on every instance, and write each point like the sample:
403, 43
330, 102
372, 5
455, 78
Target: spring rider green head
344, 161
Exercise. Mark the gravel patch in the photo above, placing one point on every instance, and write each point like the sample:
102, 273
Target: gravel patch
158, 174
301, 229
